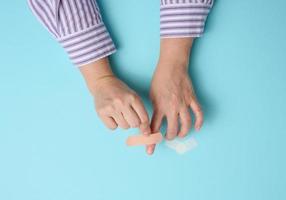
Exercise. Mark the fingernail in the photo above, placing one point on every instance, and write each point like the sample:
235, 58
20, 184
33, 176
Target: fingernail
169, 139
149, 151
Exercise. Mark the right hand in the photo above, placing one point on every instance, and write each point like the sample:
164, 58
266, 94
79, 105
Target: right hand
119, 106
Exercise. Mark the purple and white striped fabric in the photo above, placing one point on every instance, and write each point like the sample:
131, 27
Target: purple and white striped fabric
77, 24
183, 18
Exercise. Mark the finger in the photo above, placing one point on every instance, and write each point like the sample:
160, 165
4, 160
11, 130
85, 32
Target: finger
109, 122
156, 121
196, 108
119, 119
155, 127
131, 117
186, 122
139, 108
145, 128
172, 129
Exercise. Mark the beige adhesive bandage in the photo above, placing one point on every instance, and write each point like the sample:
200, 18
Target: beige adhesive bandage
136, 140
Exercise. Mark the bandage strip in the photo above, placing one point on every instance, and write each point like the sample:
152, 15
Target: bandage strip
137, 140
182, 146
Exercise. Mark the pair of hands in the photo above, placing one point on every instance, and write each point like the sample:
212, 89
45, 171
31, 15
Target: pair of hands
171, 93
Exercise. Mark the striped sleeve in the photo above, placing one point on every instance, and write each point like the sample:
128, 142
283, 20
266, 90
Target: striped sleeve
183, 18
77, 25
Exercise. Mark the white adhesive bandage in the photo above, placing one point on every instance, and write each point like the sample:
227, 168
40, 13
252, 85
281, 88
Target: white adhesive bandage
182, 146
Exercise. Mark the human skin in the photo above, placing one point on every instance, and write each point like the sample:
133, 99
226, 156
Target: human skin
116, 104
172, 92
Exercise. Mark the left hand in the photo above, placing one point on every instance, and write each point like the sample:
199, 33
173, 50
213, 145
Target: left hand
172, 96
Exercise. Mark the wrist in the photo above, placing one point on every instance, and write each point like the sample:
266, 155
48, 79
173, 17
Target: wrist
102, 82
173, 64
96, 73
175, 52
171, 71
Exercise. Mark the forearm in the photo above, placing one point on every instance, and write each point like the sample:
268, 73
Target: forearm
180, 22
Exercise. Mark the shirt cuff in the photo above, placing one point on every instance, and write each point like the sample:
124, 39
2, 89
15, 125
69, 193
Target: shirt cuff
183, 18
88, 45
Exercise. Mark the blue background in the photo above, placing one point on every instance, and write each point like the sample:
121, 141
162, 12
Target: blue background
54, 147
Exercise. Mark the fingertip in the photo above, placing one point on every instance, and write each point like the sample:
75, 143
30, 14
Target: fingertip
109, 122
198, 127
113, 128
199, 123
198, 114
150, 152
150, 149
182, 135
125, 127
170, 137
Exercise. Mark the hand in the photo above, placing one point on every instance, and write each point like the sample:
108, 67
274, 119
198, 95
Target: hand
172, 93
116, 104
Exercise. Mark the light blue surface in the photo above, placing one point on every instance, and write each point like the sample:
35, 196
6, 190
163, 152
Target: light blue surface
53, 146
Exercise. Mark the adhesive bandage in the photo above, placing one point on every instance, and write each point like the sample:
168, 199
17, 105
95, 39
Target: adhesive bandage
182, 146
136, 140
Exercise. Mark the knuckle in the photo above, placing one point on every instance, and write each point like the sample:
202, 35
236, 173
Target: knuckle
101, 111
133, 97
118, 101
199, 110
174, 100
193, 100
197, 106
172, 113
109, 108
136, 123
172, 110
105, 109
145, 119
172, 107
